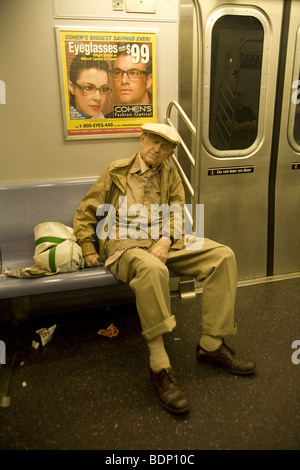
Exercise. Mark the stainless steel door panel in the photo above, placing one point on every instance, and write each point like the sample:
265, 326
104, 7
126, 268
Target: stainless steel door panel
287, 189
234, 182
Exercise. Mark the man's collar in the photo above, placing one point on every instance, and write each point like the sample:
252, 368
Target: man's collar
140, 165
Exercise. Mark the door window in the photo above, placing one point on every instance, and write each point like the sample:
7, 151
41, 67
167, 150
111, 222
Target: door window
294, 115
235, 83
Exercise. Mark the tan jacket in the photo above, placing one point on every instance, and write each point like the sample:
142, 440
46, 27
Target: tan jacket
110, 185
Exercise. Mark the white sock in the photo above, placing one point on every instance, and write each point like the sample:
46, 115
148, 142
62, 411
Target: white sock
210, 343
158, 357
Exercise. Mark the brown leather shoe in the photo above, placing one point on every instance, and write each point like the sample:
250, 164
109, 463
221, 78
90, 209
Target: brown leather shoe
226, 358
169, 390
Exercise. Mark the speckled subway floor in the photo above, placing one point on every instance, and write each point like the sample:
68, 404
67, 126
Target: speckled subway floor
84, 393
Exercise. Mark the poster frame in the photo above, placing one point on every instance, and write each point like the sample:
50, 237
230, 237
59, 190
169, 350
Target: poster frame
110, 127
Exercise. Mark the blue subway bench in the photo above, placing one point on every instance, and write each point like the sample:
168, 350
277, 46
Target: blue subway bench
22, 207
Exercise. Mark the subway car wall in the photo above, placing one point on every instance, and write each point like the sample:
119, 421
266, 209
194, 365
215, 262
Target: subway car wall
33, 144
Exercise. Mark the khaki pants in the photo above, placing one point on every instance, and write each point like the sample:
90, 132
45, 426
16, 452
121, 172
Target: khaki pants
213, 264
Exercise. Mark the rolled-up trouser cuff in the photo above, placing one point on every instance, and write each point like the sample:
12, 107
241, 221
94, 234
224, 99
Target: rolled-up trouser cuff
220, 331
166, 326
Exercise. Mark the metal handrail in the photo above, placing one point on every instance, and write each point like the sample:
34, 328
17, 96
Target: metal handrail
196, 129
192, 160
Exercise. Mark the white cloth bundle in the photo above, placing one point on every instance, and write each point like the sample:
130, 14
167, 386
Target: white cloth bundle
56, 249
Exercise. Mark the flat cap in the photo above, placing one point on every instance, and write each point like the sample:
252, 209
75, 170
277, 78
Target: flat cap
164, 130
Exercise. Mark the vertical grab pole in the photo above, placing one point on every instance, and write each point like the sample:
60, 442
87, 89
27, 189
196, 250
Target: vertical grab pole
196, 130
198, 110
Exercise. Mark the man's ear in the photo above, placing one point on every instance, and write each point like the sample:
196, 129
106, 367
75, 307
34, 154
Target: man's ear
172, 150
149, 81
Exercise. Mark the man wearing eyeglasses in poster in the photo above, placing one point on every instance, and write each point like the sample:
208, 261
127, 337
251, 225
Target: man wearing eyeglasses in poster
132, 82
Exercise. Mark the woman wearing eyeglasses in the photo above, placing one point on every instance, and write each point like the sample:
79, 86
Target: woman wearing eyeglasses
88, 87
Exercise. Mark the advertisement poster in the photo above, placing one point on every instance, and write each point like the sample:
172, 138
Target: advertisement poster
108, 82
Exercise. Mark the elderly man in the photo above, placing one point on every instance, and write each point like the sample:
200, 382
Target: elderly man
141, 258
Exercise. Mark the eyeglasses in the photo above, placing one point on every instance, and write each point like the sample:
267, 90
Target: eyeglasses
132, 74
91, 89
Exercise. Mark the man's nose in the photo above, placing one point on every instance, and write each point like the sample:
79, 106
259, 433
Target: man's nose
157, 147
125, 78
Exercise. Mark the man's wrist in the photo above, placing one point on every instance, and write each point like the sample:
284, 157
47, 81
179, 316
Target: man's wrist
168, 237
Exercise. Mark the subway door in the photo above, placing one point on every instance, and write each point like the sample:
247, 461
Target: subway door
240, 50
287, 188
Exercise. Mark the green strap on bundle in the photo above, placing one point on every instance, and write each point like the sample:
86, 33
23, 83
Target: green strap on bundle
52, 250
56, 240
52, 264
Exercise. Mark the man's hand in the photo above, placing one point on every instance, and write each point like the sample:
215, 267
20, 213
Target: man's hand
161, 249
92, 260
